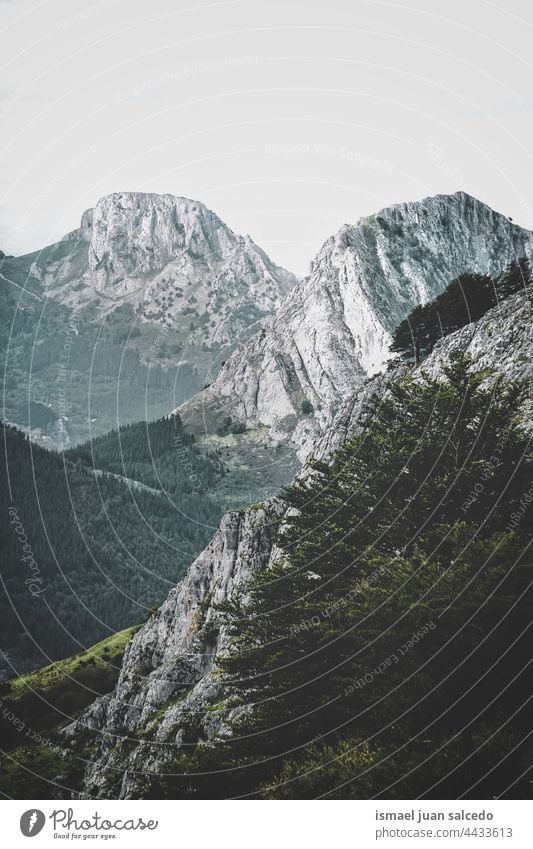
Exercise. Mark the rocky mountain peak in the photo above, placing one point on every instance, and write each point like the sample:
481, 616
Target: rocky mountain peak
333, 330
173, 260
132, 233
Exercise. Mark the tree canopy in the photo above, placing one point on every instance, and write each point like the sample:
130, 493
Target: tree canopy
111, 525
466, 299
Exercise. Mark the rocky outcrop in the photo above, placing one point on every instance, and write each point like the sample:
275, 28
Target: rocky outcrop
333, 330
500, 341
170, 258
165, 683
167, 693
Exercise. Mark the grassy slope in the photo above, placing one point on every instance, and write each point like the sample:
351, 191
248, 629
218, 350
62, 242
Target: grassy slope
91, 667
34, 705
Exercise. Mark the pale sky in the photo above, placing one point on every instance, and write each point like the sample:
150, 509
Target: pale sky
288, 118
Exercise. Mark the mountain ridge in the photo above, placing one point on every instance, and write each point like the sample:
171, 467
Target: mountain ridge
333, 328
145, 247
161, 291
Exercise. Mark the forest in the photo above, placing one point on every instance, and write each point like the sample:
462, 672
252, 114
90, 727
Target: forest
111, 529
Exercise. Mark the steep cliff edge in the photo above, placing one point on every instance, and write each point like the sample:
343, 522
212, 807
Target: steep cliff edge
333, 330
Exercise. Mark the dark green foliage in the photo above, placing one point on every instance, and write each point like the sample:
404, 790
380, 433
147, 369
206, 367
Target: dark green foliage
466, 299
159, 454
106, 549
223, 429
42, 700
41, 771
388, 653
515, 278
33, 707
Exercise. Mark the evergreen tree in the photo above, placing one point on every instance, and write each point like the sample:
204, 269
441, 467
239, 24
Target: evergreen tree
466, 299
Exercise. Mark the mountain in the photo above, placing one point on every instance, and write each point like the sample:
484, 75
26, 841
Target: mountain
93, 539
173, 260
128, 315
334, 328
168, 695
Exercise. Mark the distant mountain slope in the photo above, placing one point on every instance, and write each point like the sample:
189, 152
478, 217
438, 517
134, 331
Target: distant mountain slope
87, 552
127, 316
333, 330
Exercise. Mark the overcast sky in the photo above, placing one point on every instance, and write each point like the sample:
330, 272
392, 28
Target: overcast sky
286, 117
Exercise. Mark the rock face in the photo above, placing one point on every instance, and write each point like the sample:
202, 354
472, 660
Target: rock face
166, 695
160, 292
166, 668
172, 259
333, 329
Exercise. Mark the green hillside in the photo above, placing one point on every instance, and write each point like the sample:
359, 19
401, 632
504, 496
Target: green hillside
101, 550
34, 705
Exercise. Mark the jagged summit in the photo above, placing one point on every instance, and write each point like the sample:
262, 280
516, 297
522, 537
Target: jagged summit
333, 329
137, 232
173, 259
159, 224
162, 291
